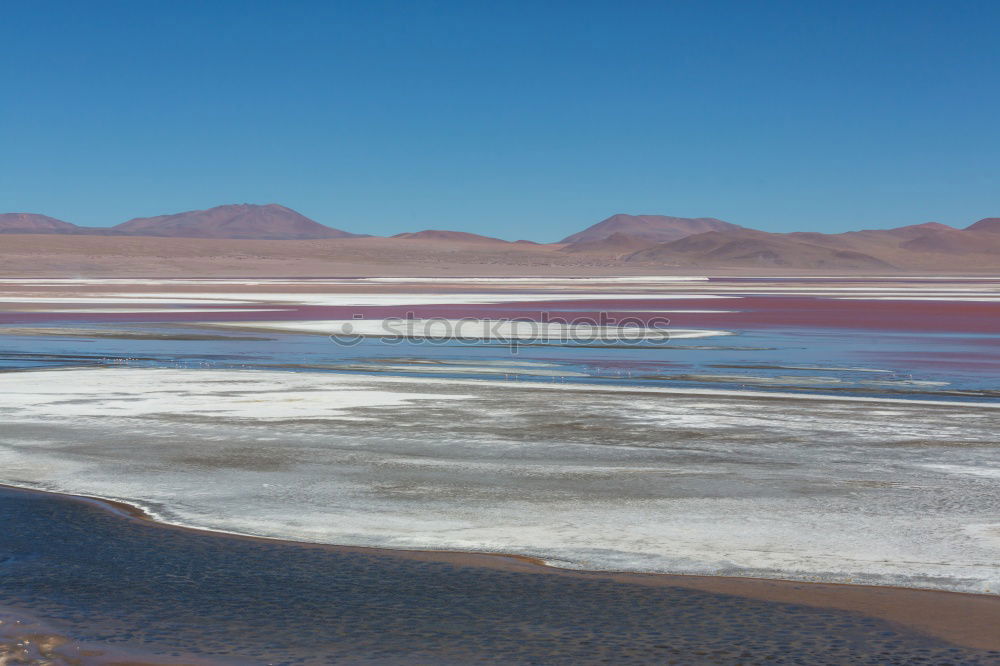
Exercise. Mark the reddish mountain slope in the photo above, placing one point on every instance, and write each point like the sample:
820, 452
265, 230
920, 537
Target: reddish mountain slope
987, 224
955, 242
449, 236
746, 248
898, 246
917, 230
929, 246
250, 221
33, 223
658, 228
615, 244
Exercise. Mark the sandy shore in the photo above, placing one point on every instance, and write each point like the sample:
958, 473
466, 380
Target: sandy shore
968, 620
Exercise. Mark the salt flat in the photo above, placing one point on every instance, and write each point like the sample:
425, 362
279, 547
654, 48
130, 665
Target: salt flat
473, 329
693, 481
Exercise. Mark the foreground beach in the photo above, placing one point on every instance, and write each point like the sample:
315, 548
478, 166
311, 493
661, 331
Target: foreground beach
179, 595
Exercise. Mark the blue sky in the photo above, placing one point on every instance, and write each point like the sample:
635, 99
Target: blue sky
516, 119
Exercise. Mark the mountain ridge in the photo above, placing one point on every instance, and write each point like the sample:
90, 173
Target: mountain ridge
662, 228
647, 240
28, 222
451, 236
247, 221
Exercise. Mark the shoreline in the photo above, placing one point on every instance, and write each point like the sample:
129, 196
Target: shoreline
589, 387
969, 620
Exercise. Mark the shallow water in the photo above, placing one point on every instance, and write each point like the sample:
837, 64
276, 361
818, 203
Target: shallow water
835, 335
115, 582
888, 364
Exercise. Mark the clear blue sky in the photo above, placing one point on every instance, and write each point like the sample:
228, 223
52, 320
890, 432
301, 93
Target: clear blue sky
519, 119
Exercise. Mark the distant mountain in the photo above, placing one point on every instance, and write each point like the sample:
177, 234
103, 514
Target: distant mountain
899, 245
33, 223
452, 236
615, 244
917, 230
951, 241
659, 228
621, 240
990, 224
749, 248
271, 222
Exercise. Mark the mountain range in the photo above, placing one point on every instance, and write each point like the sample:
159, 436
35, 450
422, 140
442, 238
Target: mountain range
269, 222
620, 240
660, 228
251, 221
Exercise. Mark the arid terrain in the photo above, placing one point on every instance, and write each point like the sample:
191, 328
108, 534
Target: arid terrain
257, 241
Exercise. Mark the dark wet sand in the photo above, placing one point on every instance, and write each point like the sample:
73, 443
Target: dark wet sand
108, 577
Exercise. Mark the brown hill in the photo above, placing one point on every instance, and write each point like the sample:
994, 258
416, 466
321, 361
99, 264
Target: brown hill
56, 255
224, 234
250, 221
917, 230
33, 223
988, 224
747, 248
658, 228
449, 236
955, 242
748, 253
615, 244
912, 245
